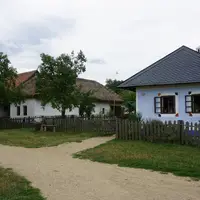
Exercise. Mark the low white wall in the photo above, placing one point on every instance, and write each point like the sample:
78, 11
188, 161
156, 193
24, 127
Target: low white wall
49, 111
99, 107
46, 111
34, 108
30, 103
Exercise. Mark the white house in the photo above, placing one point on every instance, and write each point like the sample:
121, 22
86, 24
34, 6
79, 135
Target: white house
169, 89
105, 99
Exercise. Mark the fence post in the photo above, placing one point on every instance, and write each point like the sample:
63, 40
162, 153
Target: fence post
116, 128
181, 130
186, 132
134, 131
74, 123
139, 126
195, 139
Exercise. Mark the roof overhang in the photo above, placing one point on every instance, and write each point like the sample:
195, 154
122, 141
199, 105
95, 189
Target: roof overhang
133, 88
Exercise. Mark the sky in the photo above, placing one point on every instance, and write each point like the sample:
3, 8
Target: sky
118, 37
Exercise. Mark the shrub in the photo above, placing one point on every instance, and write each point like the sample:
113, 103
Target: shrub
135, 117
37, 126
155, 121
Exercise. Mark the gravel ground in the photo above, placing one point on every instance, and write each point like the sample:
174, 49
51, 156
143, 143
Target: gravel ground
61, 177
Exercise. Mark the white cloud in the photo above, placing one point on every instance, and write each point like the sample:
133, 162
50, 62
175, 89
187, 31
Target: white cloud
128, 35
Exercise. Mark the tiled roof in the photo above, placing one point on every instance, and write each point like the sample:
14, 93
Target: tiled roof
23, 77
179, 67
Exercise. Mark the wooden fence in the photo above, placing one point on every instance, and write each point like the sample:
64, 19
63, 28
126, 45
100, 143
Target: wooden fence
104, 126
176, 132
16, 123
173, 132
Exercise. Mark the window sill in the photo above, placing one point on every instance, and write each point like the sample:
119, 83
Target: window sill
193, 114
167, 115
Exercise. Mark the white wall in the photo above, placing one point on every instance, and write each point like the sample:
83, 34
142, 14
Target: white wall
49, 111
34, 108
46, 111
145, 102
99, 107
30, 103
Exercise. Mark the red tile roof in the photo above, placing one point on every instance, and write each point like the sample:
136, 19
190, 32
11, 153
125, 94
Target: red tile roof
24, 77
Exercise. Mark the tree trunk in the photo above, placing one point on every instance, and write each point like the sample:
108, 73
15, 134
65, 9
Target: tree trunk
63, 113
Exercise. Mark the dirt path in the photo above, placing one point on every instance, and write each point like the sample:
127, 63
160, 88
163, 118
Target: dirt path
61, 177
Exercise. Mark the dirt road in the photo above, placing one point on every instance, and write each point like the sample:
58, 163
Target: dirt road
61, 177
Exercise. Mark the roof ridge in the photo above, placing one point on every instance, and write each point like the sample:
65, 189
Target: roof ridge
85, 79
154, 64
193, 51
27, 72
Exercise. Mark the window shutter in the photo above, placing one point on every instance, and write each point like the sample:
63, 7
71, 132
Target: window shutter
188, 103
157, 105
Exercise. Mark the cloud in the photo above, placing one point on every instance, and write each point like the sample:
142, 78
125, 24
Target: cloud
10, 47
50, 27
124, 36
98, 61
35, 33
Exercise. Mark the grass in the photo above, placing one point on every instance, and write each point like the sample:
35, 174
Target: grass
31, 139
177, 159
15, 187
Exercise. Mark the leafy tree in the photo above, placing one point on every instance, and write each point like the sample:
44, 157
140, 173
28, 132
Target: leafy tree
129, 98
86, 106
127, 95
137, 116
56, 80
113, 85
8, 75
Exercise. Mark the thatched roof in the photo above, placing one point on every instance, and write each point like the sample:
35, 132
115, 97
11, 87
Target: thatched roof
100, 92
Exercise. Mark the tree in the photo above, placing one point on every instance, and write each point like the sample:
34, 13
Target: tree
56, 80
113, 85
10, 93
86, 106
128, 96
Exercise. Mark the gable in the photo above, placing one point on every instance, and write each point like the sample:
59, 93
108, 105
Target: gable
179, 67
23, 77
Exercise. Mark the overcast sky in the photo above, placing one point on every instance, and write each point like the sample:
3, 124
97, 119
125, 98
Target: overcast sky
121, 36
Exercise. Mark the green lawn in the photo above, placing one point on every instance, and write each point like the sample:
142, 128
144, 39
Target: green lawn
15, 187
179, 160
31, 139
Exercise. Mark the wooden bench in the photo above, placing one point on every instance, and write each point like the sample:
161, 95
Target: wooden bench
44, 127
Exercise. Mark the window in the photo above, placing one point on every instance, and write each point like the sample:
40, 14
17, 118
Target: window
25, 110
192, 103
18, 110
164, 105
103, 110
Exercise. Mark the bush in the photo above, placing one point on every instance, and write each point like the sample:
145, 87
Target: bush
155, 121
37, 126
135, 117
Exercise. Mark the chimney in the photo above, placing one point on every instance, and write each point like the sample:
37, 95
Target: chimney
198, 49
